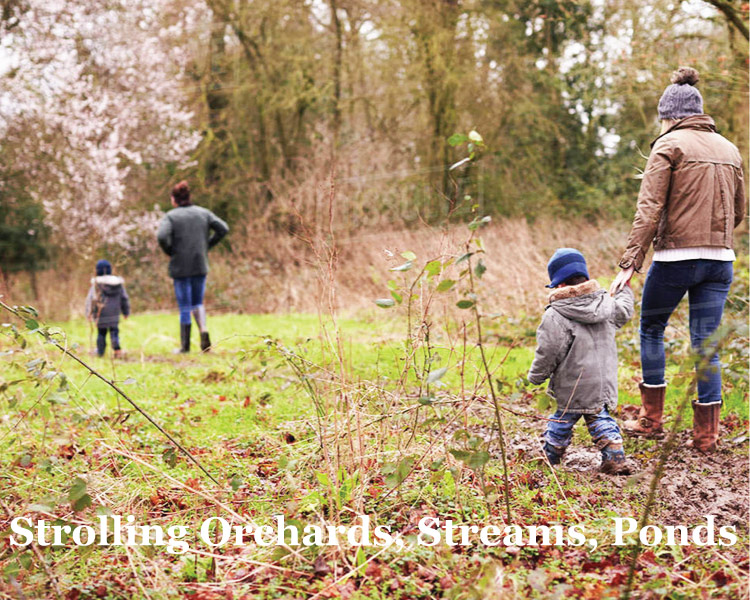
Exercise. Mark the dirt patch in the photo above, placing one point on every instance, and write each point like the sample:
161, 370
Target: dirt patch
179, 360
692, 485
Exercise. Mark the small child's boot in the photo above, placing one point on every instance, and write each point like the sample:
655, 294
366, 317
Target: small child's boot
614, 461
554, 453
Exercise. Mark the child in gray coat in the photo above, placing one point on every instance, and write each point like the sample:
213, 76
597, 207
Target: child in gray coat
106, 299
576, 350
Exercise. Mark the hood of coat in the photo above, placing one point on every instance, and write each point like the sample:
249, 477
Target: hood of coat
696, 122
109, 284
585, 302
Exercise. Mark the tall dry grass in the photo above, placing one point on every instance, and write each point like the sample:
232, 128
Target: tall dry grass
272, 272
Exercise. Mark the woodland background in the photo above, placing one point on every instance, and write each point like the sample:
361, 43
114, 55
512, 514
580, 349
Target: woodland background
332, 120
395, 383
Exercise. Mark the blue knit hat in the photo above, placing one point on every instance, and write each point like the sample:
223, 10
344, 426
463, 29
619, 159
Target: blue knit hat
103, 267
564, 264
681, 99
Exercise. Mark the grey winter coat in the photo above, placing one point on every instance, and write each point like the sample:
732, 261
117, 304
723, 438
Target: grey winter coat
186, 234
576, 346
106, 299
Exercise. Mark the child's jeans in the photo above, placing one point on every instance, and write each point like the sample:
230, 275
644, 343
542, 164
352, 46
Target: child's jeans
602, 427
101, 339
189, 293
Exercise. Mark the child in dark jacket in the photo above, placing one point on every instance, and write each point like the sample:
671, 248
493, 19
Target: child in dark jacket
576, 350
106, 299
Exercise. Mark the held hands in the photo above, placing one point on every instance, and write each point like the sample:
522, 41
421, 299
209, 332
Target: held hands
622, 279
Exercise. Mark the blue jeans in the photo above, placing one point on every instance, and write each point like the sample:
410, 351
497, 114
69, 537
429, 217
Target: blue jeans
707, 285
101, 339
602, 427
189, 293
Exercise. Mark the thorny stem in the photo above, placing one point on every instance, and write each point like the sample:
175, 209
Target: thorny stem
495, 403
290, 357
658, 472
409, 340
417, 462
326, 254
46, 335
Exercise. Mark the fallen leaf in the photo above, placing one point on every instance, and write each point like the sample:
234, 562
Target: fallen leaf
619, 575
426, 573
320, 566
721, 578
538, 579
374, 571
68, 451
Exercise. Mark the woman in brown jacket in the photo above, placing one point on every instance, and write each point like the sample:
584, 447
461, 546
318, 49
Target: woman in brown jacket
692, 197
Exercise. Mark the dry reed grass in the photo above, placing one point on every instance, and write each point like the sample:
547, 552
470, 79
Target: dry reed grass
272, 272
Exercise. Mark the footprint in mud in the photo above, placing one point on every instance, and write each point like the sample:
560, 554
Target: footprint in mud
582, 459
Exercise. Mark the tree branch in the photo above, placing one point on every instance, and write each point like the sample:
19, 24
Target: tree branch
731, 13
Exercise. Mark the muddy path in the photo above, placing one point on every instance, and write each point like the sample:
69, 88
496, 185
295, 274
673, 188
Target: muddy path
692, 484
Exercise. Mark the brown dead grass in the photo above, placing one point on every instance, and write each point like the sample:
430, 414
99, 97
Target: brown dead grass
281, 273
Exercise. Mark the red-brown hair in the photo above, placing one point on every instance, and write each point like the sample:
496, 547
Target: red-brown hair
181, 193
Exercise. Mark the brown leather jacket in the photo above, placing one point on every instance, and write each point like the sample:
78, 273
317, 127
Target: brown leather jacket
692, 193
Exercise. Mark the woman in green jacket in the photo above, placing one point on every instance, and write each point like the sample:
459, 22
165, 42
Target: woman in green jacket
186, 234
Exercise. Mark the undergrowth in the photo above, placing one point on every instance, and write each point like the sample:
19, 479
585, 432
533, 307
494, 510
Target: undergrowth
393, 413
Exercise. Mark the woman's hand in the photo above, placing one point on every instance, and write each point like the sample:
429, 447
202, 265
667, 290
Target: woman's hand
622, 279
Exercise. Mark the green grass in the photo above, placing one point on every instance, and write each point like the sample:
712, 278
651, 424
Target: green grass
248, 412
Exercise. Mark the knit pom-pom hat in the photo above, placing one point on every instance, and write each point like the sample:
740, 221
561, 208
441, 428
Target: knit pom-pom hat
681, 99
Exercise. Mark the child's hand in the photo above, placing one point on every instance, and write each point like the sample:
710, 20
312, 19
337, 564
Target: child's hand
623, 278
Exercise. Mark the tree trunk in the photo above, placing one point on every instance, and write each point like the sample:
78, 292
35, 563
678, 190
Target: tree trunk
6, 283
436, 35
217, 101
338, 51
34, 285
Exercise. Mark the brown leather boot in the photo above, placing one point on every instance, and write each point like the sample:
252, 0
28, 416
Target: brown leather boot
705, 426
649, 421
